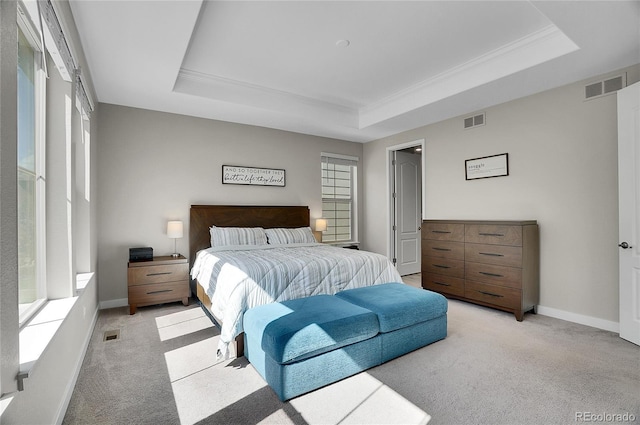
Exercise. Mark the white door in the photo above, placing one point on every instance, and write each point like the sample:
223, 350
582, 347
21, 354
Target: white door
408, 212
629, 211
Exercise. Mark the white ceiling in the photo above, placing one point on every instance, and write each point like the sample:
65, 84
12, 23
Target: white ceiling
408, 64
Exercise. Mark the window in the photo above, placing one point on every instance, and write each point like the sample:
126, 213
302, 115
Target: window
30, 161
339, 197
32, 284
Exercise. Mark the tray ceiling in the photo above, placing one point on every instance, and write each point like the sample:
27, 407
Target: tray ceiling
348, 70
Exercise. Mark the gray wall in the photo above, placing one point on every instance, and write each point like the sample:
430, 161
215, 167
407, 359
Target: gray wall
562, 172
154, 165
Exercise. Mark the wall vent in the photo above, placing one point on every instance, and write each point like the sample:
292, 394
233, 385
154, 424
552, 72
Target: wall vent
601, 88
474, 121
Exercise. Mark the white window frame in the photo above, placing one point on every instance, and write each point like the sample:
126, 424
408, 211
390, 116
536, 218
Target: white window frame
30, 34
352, 201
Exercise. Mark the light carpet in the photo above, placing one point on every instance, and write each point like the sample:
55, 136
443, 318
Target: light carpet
490, 369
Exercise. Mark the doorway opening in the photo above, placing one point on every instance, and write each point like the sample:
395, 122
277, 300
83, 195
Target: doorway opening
405, 165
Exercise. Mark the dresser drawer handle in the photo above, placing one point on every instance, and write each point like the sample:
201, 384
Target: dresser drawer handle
158, 274
491, 274
440, 283
441, 266
491, 295
440, 249
491, 234
440, 231
491, 254
159, 292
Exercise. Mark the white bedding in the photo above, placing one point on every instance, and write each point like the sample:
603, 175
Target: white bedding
237, 278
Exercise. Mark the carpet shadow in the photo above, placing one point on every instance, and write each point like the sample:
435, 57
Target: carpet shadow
254, 408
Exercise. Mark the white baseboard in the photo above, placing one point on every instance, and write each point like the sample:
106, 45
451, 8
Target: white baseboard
594, 322
122, 302
76, 373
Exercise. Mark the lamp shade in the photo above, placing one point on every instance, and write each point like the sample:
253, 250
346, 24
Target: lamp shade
174, 229
321, 225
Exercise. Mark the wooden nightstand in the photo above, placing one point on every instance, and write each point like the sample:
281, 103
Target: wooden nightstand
163, 279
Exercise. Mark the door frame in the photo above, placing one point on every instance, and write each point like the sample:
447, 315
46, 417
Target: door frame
391, 248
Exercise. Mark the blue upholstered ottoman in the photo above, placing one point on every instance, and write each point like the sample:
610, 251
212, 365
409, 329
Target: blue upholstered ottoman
409, 317
303, 344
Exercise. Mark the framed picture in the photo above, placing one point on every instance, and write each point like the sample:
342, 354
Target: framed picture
487, 166
234, 174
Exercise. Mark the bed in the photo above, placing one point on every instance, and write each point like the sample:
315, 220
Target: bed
235, 274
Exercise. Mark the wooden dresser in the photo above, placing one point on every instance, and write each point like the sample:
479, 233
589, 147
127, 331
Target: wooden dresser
492, 263
163, 279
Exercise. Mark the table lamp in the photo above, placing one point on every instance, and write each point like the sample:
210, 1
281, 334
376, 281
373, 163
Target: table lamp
174, 231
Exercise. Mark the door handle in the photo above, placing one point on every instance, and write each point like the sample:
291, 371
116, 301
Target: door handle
624, 245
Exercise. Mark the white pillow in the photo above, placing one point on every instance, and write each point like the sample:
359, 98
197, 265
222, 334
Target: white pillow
287, 236
224, 236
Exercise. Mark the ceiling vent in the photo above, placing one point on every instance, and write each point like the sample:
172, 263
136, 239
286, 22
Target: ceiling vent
474, 121
601, 88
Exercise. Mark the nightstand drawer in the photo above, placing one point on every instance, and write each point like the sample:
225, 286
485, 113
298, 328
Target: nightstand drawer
158, 292
443, 249
443, 266
158, 273
443, 231
494, 234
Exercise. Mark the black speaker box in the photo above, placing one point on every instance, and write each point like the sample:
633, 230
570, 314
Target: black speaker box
141, 254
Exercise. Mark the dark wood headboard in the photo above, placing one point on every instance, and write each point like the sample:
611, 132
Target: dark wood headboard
201, 217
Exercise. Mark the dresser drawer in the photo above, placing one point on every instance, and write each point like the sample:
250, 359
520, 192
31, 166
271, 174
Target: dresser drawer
492, 294
158, 292
490, 262
443, 249
440, 283
158, 273
443, 266
497, 275
501, 255
494, 234
443, 231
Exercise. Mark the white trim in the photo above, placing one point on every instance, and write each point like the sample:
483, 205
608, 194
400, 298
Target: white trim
353, 163
533, 49
83, 279
389, 158
31, 311
39, 121
68, 392
28, 27
122, 302
220, 83
40, 330
340, 156
41, 180
594, 322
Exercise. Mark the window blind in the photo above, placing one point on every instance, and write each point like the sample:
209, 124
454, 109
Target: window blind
338, 195
62, 55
